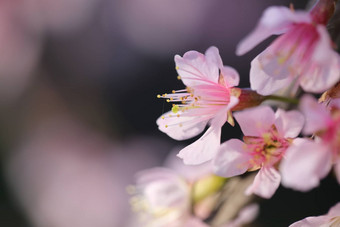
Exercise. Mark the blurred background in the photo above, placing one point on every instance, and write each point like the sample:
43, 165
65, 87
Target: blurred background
78, 86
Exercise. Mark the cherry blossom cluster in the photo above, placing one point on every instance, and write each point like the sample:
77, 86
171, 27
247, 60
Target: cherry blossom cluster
296, 146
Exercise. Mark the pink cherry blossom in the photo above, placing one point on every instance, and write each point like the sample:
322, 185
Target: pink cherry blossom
163, 198
302, 55
267, 135
312, 160
330, 219
206, 100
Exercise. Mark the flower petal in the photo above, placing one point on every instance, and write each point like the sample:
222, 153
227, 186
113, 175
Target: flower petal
322, 76
263, 82
311, 222
231, 160
324, 65
194, 222
265, 183
289, 123
202, 150
213, 57
275, 20
316, 115
337, 170
305, 163
180, 128
255, 121
334, 211
194, 69
222, 116
230, 75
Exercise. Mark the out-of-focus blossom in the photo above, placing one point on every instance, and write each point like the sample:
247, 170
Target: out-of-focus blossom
171, 196
332, 219
207, 99
245, 216
312, 160
65, 175
267, 137
163, 198
303, 55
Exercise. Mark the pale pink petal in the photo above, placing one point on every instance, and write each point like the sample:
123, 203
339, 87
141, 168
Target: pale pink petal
323, 47
255, 121
311, 222
265, 183
195, 222
321, 77
154, 174
324, 65
275, 20
189, 172
335, 102
246, 216
202, 150
264, 83
222, 116
289, 123
316, 114
305, 164
231, 160
337, 170
230, 75
180, 128
213, 57
334, 211
320, 221
194, 69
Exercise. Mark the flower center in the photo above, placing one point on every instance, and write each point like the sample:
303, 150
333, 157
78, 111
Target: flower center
267, 149
205, 98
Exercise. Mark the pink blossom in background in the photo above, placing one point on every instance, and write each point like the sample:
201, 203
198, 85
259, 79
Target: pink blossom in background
267, 136
332, 219
206, 100
162, 199
302, 55
314, 159
63, 174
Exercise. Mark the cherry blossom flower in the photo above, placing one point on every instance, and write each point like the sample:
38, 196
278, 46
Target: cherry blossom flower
163, 198
267, 135
302, 55
207, 100
330, 219
314, 159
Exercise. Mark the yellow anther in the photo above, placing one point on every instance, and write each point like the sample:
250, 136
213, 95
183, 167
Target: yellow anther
177, 68
175, 108
163, 117
168, 100
180, 125
179, 77
178, 115
165, 126
173, 91
159, 96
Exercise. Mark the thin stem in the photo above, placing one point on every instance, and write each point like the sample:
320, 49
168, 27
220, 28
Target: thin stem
282, 99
